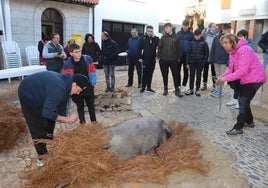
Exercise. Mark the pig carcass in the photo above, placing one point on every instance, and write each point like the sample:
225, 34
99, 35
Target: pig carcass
137, 136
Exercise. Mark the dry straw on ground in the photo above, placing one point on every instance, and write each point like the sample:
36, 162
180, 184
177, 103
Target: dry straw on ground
77, 158
11, 125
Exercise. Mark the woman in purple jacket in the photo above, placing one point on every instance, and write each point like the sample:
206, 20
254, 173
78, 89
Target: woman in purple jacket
246, 66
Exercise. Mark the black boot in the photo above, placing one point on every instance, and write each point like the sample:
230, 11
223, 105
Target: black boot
165, 91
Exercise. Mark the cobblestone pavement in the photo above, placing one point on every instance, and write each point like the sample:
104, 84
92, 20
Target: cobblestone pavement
249, 151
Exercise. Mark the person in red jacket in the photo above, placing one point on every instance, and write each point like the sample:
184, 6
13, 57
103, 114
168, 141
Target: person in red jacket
82, 64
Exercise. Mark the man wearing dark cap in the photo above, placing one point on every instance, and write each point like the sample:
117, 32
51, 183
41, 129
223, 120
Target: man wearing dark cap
43, 97
185, 36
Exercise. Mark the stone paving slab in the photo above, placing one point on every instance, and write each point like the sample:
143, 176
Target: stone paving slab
249, 150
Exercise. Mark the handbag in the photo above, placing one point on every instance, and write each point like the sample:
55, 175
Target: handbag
234, 84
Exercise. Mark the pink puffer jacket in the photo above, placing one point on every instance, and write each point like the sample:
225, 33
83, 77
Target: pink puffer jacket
246, 64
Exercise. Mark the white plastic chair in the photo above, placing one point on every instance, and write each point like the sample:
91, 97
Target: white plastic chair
11, 55
32, 55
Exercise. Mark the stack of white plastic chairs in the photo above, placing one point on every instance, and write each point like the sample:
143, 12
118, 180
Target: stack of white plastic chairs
32, 55
11, 55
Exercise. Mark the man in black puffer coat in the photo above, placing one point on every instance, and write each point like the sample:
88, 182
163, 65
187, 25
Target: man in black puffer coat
148, 48
196, 58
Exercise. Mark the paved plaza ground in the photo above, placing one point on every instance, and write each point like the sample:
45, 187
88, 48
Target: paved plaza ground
236, 161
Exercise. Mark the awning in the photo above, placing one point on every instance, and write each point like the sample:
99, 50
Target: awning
88, 3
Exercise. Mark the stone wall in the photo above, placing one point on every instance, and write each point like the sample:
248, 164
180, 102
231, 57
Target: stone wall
259, 105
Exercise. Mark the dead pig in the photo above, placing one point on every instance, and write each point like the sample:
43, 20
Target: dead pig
137, 136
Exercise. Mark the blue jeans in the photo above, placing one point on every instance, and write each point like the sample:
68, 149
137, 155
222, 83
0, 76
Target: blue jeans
109, 76
265, 60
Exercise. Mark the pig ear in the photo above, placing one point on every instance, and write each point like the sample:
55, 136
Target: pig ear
168, 131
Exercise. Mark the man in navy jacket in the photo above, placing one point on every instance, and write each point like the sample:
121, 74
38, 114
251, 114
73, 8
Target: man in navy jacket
185, 36
43, 97
133, 55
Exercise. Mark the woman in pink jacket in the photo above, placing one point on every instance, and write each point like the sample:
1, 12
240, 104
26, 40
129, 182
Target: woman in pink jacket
246, 66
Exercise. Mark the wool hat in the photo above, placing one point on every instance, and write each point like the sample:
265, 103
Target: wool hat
81, 80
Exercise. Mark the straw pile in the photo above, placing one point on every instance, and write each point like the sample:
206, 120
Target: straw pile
11, 125
77, 158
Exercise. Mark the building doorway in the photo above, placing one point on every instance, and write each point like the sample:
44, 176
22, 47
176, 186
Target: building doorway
120, 32
52, 22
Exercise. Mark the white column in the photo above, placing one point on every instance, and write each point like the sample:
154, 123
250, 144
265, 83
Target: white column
7, 20
90, 18
2, 26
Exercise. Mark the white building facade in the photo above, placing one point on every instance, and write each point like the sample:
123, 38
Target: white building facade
251, 15
23, 21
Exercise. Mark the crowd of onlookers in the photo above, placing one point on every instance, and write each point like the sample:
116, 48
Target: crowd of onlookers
202, 46
71, 72
196, 52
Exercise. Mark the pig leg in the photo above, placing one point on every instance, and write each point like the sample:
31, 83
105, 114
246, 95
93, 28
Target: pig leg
153, 152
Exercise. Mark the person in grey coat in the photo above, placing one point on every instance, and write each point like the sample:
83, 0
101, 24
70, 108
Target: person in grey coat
219, 57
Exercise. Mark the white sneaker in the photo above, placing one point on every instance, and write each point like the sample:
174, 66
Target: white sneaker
232, 102
183, 89
237, 106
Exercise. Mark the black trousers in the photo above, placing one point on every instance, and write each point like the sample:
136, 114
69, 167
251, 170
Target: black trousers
236, 93
147, 72
195, 74
247, 92
205, 72
88, 97
164, 67
185, 70
39, 127
134, 62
